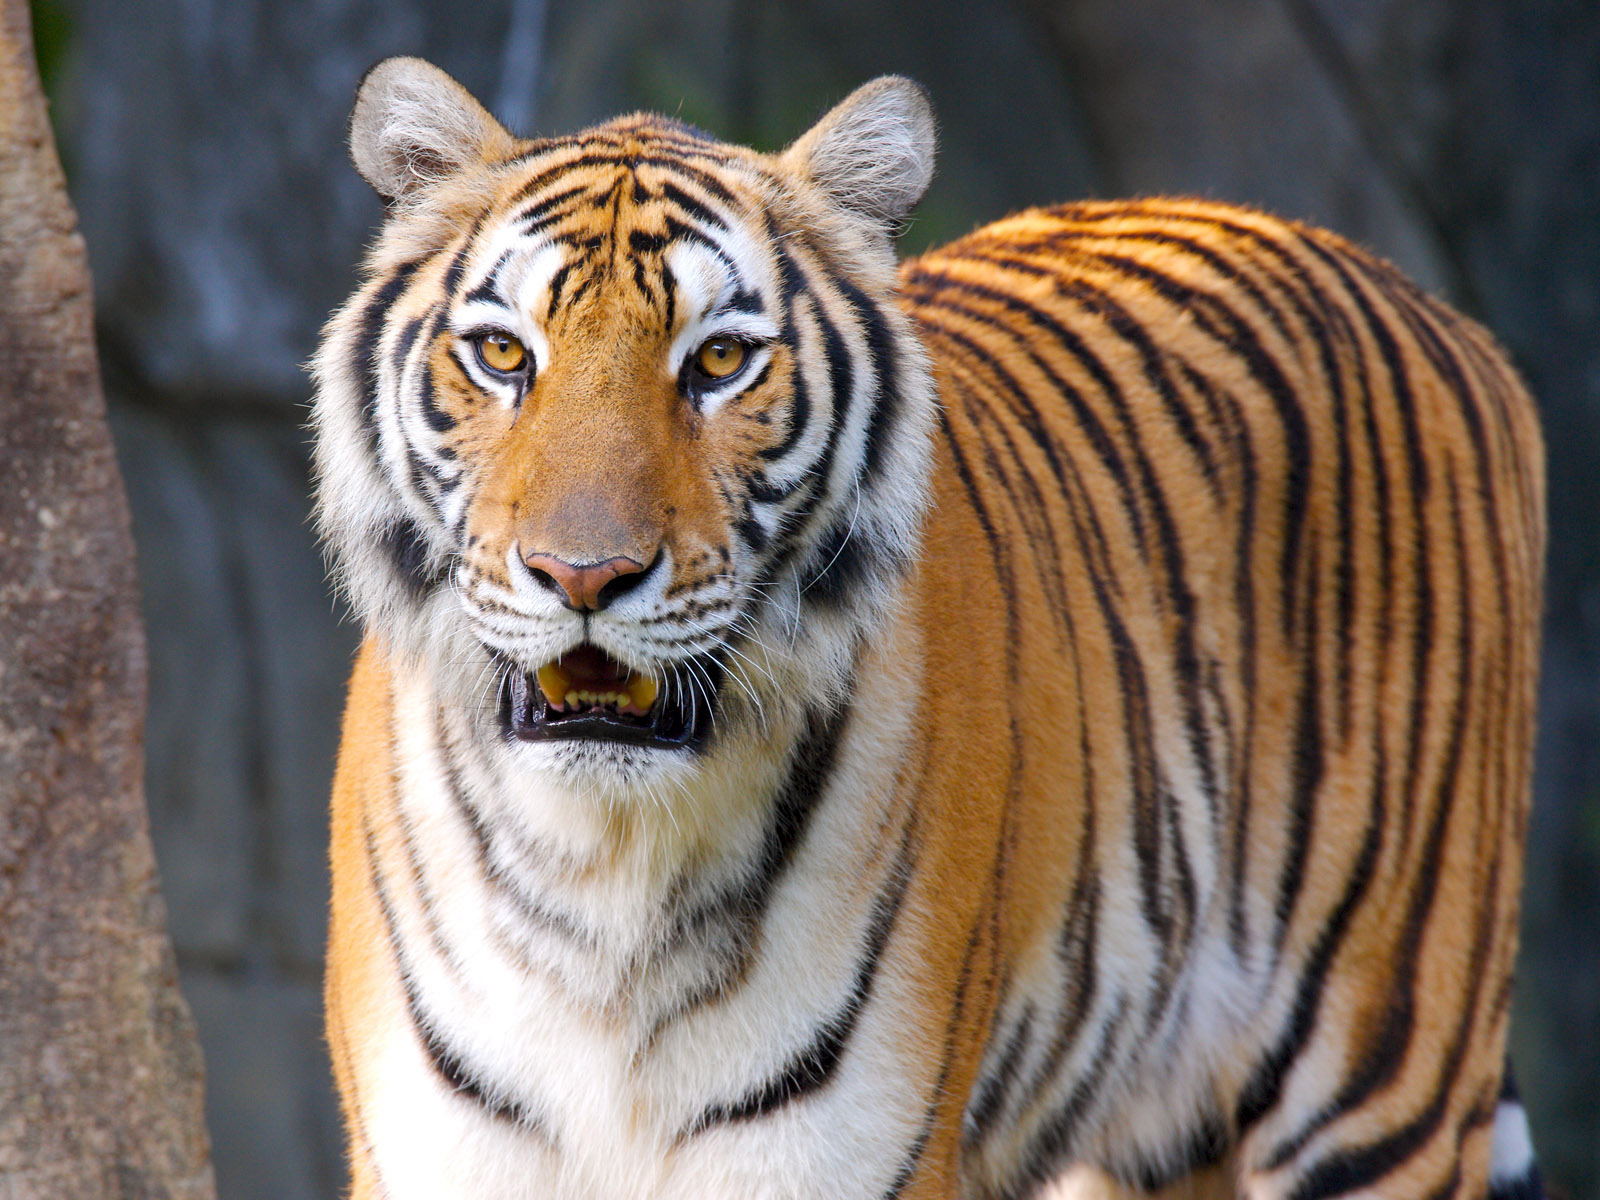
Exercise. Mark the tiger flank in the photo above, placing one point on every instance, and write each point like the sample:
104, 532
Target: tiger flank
1049, 718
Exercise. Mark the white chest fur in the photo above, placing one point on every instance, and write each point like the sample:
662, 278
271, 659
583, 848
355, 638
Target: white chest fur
593, 1008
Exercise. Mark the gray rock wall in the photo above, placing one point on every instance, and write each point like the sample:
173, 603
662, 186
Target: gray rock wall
1460, 138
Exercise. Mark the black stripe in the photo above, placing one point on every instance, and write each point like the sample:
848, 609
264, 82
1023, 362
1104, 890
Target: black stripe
993, 1087
1418, 479
682, 231
641, 242
406, 546
404, 343
541, 215
885, 402
936, 293
641, 280
452, 276
744, 301
699, 211
750, 531
800, 401
428, 401
557, 282
1265, 1085
370, 326
704, 178
810, 770
841, 566
485, 292
669, 286
1306, 760
445, 1060
1348, 1169
532, 186
841, 383
428, 480
812, 1068
1047, 1149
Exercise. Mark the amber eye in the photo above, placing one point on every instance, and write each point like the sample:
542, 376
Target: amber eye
721, 357
501, 352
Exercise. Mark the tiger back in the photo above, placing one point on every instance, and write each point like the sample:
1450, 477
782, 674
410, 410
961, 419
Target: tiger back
1052, 718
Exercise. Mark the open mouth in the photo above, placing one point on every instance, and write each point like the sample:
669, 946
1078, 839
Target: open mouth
586, 694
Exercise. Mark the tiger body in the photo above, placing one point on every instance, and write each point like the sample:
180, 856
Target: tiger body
1105, 653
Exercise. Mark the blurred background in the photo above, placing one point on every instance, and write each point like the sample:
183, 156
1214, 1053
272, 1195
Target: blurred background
203, 141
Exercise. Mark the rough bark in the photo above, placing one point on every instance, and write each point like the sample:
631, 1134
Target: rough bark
100, 1075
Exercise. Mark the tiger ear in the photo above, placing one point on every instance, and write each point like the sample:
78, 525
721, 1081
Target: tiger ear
872, 154
414, 126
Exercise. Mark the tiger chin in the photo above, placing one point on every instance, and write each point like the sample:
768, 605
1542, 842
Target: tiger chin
1049, 717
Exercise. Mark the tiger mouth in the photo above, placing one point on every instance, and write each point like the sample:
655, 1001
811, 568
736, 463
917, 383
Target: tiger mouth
586, 695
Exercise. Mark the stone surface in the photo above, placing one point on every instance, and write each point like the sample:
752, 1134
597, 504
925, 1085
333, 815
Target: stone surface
206, 164
270, 1096
100, 1076
249, 661
1227, 100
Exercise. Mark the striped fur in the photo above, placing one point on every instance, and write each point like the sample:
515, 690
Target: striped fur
1119, 635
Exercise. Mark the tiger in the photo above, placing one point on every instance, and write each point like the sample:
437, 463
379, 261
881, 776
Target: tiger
1051, 717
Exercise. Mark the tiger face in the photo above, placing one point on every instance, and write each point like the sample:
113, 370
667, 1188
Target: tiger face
614, 413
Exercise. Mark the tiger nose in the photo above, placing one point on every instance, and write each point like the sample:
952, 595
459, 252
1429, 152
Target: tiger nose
585, 585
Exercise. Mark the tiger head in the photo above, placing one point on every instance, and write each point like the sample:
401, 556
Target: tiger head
624, 438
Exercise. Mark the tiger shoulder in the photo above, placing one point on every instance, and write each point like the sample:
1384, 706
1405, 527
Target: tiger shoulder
1051, 717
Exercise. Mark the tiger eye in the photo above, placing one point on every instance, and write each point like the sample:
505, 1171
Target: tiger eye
501, 352
721, 357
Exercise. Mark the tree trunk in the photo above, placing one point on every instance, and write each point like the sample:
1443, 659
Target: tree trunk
100, 1075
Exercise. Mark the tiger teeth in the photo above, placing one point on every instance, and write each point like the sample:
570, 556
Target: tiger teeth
556, 685
586, 697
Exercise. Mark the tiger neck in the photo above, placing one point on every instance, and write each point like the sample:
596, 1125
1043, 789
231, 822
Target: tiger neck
630, 905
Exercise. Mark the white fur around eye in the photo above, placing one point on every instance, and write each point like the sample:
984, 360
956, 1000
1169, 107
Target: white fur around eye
708, 284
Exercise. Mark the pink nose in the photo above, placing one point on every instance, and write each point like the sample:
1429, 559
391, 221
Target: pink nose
589, 586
